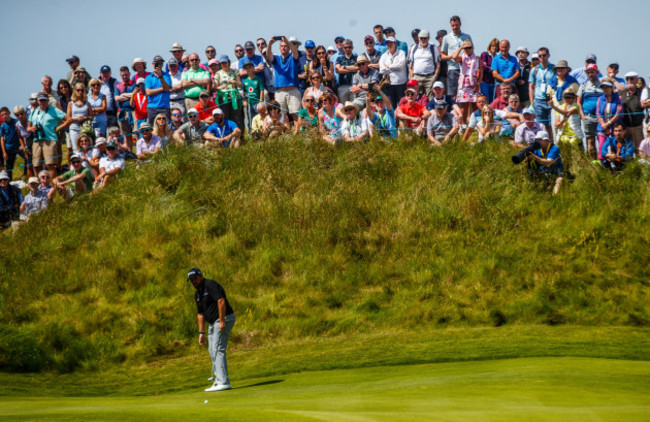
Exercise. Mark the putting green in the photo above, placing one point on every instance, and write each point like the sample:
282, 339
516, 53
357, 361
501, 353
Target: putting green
531, 389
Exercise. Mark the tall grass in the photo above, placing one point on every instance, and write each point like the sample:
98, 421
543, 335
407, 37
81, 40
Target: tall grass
311, 240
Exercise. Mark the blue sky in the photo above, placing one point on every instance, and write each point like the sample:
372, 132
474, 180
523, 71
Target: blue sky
37, 39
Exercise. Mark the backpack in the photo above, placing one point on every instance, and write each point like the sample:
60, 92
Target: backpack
432, 49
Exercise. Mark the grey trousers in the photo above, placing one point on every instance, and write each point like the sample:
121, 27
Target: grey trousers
217, 343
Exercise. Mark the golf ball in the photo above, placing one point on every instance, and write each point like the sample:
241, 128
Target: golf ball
206, 402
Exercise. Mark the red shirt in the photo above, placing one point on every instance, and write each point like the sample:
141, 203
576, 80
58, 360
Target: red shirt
140, 106
416, 110
499, 103
207, 112
423, 100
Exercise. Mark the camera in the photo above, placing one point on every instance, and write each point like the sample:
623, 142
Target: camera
371, 86
40, 133
277, 38
521, 155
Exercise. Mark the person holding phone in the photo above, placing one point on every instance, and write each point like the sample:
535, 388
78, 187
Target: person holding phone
157, 87
285, 66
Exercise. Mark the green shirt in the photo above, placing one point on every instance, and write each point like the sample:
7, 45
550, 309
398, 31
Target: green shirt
306, 120
189, 75
253, 88
88, 178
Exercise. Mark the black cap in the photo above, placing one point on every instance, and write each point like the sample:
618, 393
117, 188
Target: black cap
105, 68
249, 45
193, 273
72, 59
415, 31
388, 29
441, 33
158, 59
338, 39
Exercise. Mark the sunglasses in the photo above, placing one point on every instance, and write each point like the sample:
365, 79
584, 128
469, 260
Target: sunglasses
194, 60
192, 115
176, 114
309, 100
79, 90
94, 85
162, 118
347, 48
410, 94
210, 51
261, 43
72, 162
321, 53
313, 78
369, 42
145, 130
614, 67
45, 177
239, 51
110, 148
543, 55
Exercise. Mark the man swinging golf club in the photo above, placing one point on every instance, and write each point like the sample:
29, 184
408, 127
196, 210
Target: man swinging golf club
213, 307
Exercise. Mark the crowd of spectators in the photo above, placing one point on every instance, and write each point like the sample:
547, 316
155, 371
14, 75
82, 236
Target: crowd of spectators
439, 88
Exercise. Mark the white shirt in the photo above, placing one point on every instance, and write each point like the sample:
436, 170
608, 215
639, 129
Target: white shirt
394, 66
176, 81
108, 164
354, 128
424, 63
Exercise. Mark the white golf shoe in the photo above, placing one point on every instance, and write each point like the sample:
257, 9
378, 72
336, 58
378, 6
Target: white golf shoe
217, 387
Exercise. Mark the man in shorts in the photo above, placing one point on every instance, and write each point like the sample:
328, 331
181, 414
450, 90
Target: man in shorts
44, 122
285, 66
588, 95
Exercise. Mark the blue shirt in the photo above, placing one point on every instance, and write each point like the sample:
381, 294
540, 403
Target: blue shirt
286, 71
161, 100
385, 125
590, 93
226, 129
541, 78
381, 47
256, 60
346, 78
552, 154
609, 146
447, 98
505, 66
8, 130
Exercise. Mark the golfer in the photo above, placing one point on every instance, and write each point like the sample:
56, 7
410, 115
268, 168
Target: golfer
213, 307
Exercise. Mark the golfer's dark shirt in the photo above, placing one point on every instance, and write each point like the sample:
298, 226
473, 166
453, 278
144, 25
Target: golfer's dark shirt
207, 300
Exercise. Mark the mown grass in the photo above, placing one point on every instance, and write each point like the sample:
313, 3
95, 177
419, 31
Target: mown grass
311, 241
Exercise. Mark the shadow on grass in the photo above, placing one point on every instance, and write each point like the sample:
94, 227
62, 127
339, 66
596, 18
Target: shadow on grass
259, 384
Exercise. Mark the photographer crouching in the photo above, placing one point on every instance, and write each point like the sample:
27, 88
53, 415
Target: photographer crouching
544, 161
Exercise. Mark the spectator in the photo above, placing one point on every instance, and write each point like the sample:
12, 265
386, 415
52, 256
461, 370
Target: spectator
421, 98
415, 35
443, 67
393, 64
489, 128
304, 62
580, 74
608, 111
354, 128
85, 154
469, 79
205, 107
157, 86
44, 178
81, 75
372, 54
644, 148
76, 181
510, 115
317, 87
191, 132
210, 53
177, 119
78, 111
424, 60
525, 133
521, 83
196, 79
569, 130
441, 126
588, 95
538, 82
73, 62
505, 67
617, 150
380, 44
161, 130
253, 89
11, 140
97, 103
226, 84
363, 81
255, 60
176, 93
346, 68
139, 66
276, 123
560, 83
439, 95
110, 166
239, 52
330, 120
546, 161
307, 116
612, 71
177, 51
123, 93
33, 103
632, 110
401, 45
261, 45
36, 200
223, 132
323, 67
450, 43
645, 103
64, 93
534, 60
44, 123
501, 101
46, 81
149, 144
139, 101
257, 124
21, 126
108, 90
10, 200
285, 66
412, 115
381, 118
475, 117
97, 154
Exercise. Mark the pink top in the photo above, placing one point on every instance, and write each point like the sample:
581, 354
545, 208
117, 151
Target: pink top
469, 71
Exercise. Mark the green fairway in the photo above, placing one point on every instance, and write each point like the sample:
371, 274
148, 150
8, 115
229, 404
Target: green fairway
531, 389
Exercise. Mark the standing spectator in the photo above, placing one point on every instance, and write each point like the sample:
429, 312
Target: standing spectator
223, 132
46, 81
210, 53
443, 67
560, 83
239, 52
139, 67
108, 90
569, 130
285, 66
502, 101
346, 68
372, 54
176, 93
442, 126
617, 149
10, 200
450, 43
469, 79
78, 111
227, 84
139, 101
525, 133
424, 63
393, 64
196, 80
521, 82
255, 60
362, 81
612, 71
645, 104
157, 86
81, 75
401, 45
44, 123
177, 51
632, 110
21, 126
580, 74
322, 66
253, 90
487, 83
64, 91
149, 144
304, 61
538, 82
588, 95
608, 112
191, 132
110, 166
123, 93
505, 67
36, 200
73, 62
380, 44
11, 141
97, 103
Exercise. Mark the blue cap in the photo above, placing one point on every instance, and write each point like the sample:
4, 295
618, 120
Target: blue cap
310, 44
105, 68
249, 45
528, 110
224, 58
248, 62
340, 37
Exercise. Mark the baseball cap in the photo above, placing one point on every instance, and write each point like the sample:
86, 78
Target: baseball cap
42, 96
105, 68
213, 61
339, 39
424, 34
440, 104
542, 134
388, 29
139, 81
367, 38
441, 33
592, 66
391, 39
192, 112
591, 57
528, 110
310, 44
143, 126
416, 31
193, 273
32, 180
631, 75
606, 83
72, 58
248, 45
4, 175
412, 82
157, 58
248, 63
217, 111
177, 47
204, 93
331, 48
172, 61
75, 157
614, 64
534, 56
411, 89
224, 58
102, 141
438, 84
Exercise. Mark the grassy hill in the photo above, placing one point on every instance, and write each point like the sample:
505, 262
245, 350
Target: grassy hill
310, 241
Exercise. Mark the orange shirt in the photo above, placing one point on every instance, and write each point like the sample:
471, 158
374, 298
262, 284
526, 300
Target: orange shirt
207, 112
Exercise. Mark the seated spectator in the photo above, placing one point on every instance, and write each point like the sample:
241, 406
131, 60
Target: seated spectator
363, 81
469, 80
569, 128
257, 124
546, 161
85, 149
110, 166
161, 129
442, 126
205, 107
617, 150
525, 133
308, 116
122, 142
149, 144
223, 132
276, 123
501, 101
44, 179
380, 115
36, 200
393, 64
422, 98
489, 127
412, 115
11, 140
330, 119
644, 148
510, 116
177, 119
317, 87
10, 201
76, 181
191, 133
139, 102
475, 117
354, 128
439, 95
